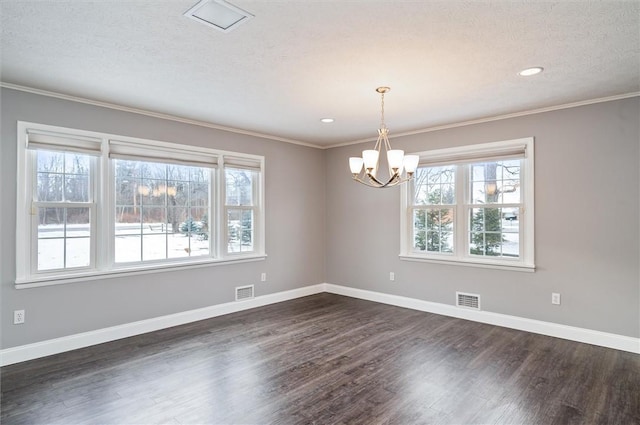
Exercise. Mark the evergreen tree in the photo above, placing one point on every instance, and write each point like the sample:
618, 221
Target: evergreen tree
486, 223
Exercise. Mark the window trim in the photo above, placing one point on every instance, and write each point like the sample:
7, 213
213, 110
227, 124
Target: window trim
463, 155
102, 237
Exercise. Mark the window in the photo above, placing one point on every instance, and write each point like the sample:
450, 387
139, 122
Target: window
64, 210
92, 204
472, 205
161, 211
240, 207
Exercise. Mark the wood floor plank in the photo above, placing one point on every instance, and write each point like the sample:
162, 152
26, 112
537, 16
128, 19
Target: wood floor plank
327, 359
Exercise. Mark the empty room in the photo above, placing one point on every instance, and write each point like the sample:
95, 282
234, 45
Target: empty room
319, 212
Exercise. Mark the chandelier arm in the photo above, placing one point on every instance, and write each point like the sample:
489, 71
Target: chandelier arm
387, 144
373, 179
376, 186
374, 182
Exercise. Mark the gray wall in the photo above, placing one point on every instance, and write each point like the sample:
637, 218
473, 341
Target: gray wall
295, 237
587, 222
587, 225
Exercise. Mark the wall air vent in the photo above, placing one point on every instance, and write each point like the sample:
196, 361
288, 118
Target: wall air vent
218, 14
244, 292
466, 300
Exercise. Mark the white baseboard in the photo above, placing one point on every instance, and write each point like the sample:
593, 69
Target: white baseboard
85, 339
588, 336
72, 342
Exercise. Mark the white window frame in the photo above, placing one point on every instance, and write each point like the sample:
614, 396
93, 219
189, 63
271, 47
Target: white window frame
461, 157
103, 203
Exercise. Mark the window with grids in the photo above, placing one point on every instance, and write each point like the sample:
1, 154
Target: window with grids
472, 205
92, 204
161, 211
240, 208
64, 210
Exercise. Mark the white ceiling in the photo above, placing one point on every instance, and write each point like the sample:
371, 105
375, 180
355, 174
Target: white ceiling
299, 61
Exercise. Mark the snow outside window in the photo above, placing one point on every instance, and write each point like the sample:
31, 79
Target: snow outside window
93, 205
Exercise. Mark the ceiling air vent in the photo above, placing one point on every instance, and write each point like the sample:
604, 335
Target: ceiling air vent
218, 14
244, 292
466, 300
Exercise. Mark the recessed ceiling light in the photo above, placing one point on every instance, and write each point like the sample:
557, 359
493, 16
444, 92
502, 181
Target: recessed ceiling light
218, 14
531, 71
327, 120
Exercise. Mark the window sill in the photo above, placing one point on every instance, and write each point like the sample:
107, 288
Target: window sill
38, 281
502, 265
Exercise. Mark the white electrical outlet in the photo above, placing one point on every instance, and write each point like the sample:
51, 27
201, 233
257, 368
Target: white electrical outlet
392, 276
555, 298
18, 317
263, 277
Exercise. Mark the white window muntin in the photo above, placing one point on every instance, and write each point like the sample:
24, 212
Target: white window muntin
461, 156
102, 236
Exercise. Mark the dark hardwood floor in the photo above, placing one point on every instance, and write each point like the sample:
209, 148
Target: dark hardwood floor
328, 359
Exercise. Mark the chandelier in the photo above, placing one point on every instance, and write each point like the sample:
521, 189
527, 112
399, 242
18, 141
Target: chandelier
365, 168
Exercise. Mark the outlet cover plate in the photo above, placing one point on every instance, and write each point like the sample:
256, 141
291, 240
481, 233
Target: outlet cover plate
18, 317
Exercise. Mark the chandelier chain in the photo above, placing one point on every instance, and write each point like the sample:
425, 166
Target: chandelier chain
382, 125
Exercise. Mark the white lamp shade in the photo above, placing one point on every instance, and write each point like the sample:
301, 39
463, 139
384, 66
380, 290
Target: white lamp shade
370, 158
355, 163
394, 158
411, 163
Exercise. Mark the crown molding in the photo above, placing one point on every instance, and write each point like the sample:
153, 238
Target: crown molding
494, 118
310, 145
153, 114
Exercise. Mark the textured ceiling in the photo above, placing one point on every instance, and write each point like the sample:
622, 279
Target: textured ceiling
299, 61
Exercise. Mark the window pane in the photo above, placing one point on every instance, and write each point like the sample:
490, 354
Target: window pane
62, 176
199, 194
178, 245
154, 247
50, 187
152, 170
234, 231
239, 186
178, 172
50, 161
78, 252
419, 233
127, 170
247, 231
494, 232
434, 185
128, 248
154, 220
76, 177
239, 230
495, 182
157, 192
77, 188
50, 254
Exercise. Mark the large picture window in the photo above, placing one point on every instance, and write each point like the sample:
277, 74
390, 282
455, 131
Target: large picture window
92, 204
161, 211
472, 205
